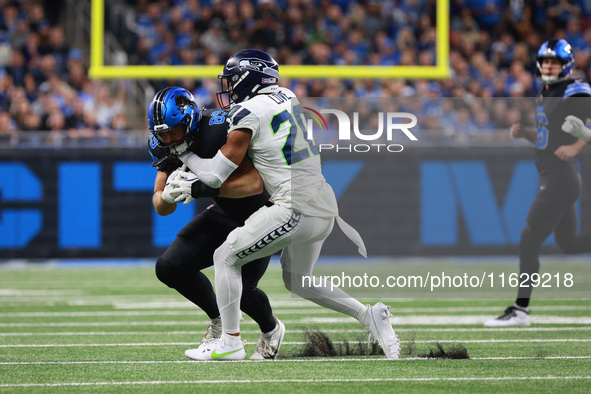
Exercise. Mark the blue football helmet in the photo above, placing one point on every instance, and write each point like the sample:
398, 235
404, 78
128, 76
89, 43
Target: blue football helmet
174, 109
556, 49
246, 74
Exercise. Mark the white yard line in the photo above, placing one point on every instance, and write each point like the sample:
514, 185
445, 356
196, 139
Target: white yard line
424, 320
133, 344
396, 320
291, 331
265, 381
352, 359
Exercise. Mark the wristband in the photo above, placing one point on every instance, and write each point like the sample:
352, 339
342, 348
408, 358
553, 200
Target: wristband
200, 189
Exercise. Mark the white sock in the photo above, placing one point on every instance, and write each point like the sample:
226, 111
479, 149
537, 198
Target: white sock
526, 309
270, 333
363, 317
231, 340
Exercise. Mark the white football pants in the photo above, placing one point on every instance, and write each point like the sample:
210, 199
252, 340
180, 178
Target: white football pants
265, 232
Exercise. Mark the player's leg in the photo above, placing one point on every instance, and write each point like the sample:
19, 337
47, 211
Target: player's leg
265, 232
546, 212
566, 235
566, 232
179, 267
298, 260
255, 303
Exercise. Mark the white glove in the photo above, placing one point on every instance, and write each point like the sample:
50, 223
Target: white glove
169, 194
576, 128
171, 191
182, 185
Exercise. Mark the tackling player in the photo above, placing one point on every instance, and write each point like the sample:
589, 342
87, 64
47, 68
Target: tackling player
553, 209
177, 126
263, 125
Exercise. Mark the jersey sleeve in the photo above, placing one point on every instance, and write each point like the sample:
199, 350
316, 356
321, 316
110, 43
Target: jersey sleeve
241, 117
213, 132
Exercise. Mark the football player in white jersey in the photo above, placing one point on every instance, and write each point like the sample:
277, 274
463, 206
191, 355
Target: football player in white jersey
263, 124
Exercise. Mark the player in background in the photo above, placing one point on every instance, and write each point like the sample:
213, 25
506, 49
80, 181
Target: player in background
177, 125
263, 125
553, 210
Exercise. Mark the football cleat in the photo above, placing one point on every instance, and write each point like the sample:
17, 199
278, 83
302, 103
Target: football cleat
217, 350
268, 344
381, 329
213, 332
511, 317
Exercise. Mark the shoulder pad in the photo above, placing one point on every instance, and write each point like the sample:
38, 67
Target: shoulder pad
237, 113
578, 88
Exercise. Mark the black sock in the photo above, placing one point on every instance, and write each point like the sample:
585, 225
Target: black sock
522, 303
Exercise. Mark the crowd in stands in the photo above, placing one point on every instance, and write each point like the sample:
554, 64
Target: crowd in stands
44, 84
493, 45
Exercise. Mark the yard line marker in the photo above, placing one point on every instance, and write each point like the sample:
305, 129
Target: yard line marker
258, 381
428, 320
283, 360
310, 322
299, 331
285, 343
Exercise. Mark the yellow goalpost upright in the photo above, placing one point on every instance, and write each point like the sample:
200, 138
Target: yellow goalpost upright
99, 70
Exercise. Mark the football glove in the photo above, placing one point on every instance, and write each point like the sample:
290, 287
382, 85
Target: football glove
576, 128
169, 194
172, 192
183, 185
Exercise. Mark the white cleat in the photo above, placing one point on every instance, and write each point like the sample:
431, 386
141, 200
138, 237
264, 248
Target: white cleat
268, 344
217, 350
511, 317
381, 329
213, 332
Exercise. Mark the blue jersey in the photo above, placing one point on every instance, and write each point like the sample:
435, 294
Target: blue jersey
212, 135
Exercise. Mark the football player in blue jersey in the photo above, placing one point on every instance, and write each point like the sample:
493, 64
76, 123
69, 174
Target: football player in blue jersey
553, 211
177, 125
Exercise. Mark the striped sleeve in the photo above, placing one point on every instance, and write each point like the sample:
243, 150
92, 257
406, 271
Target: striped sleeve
577, 89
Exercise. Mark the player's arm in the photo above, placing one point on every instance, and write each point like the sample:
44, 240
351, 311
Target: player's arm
244, 182
567, 152
214, 172
162, 207
518, 131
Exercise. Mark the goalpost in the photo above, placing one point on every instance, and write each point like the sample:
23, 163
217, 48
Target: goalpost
440, 71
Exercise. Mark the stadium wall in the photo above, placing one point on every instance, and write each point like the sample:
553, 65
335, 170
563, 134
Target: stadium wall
422, 201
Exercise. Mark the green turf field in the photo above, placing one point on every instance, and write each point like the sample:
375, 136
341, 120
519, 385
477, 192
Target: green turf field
120, 330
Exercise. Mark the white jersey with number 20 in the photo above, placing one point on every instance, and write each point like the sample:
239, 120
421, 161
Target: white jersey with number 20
288, 162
